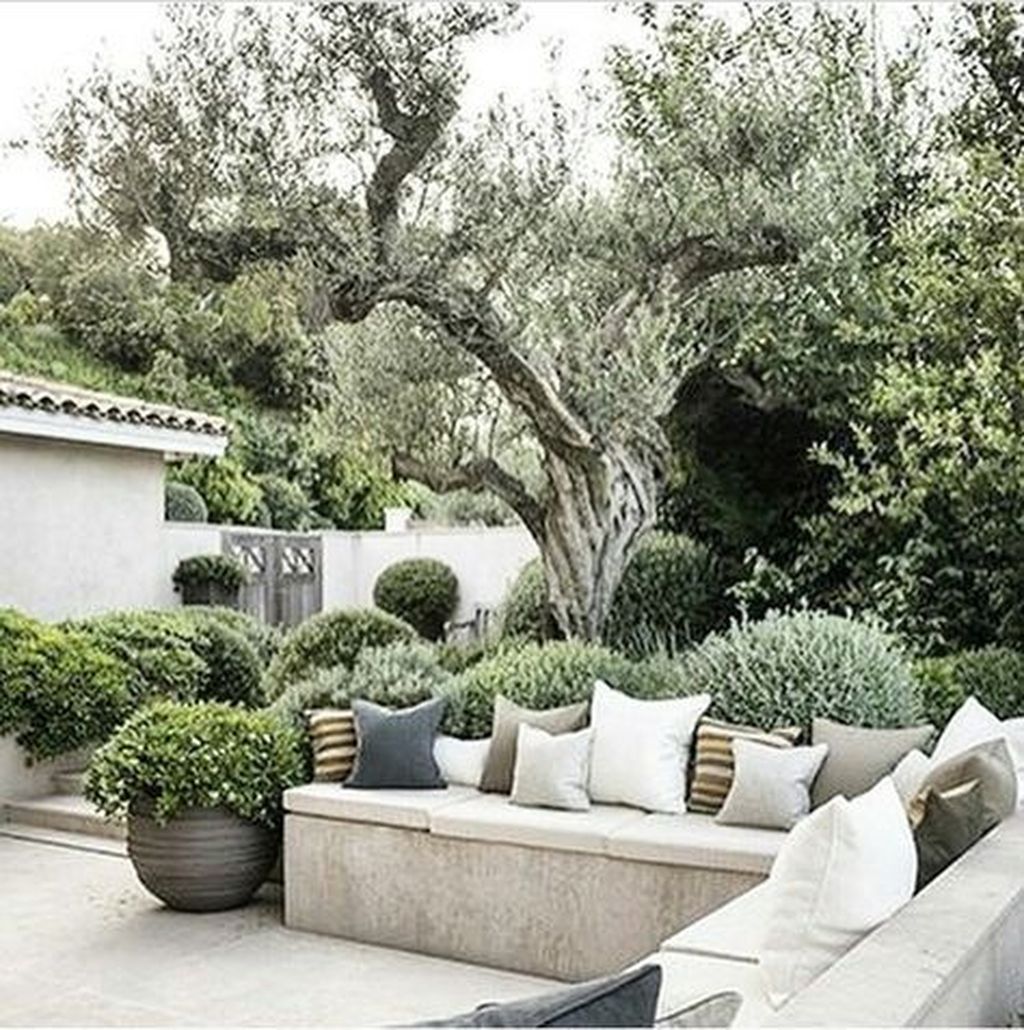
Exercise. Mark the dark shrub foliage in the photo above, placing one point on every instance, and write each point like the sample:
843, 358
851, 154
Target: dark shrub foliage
183, 503
422, 591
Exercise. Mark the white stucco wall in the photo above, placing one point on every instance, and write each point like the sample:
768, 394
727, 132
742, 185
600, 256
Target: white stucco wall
485, 560
80, 527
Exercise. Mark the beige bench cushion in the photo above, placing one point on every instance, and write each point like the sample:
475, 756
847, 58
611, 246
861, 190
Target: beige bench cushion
731, 931
689, 978
493, 817
696, 840
410, 809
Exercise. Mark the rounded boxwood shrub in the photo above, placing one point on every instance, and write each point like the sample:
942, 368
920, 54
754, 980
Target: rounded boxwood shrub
549, 675
422, 591
210, 569
263, 638
994, 675
183, 503
329, 639
787, 668
197, 756
672, 592
186, 655
58, 691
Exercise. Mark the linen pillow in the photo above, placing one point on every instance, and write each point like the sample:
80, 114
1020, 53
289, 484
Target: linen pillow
990, 764
551, 771
972, 723
715, 1010
640, 749
840, 873
948, 823
501, 757
913, 767
461, 761
771, 786
626, 999
713, 761
859, 757
396, 749
332, 735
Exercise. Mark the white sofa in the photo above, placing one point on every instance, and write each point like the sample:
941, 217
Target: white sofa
468, 875
572, 895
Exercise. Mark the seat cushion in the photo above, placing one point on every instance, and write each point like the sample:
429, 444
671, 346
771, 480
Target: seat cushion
405, 808
687, 979
696, 840
728, 932
494, 818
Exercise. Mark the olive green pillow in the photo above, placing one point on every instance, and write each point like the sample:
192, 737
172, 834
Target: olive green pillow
959, 802
508, 717
859, 757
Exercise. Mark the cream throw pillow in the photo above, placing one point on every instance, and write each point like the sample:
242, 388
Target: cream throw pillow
841, 872
551, 769
771, 786
461, 761
641, 749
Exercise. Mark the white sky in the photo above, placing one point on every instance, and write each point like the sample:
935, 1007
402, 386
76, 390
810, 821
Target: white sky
41, 44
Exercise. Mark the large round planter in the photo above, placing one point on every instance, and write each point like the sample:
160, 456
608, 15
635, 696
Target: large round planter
202, 860
210, 593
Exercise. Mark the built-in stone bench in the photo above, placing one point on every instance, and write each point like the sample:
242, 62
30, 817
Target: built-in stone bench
470, 876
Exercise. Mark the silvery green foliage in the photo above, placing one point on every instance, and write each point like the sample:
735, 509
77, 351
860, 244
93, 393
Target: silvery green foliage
786, 668
398, 675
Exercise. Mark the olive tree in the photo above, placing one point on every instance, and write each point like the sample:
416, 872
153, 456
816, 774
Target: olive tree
571, 297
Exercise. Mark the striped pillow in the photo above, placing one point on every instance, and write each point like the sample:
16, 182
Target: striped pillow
332, 732
713, 759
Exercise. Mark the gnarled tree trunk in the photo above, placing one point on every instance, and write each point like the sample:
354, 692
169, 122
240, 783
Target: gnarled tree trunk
597, 508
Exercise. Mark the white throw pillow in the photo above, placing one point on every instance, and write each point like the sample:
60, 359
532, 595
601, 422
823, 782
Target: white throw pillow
641, 749
909, 774
551, 769
461, 761
972, 723
841, 872
771, 786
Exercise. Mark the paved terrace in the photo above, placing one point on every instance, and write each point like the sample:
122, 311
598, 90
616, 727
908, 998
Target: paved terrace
81, 943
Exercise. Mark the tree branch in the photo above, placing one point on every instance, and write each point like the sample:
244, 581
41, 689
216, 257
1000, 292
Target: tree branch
478, 474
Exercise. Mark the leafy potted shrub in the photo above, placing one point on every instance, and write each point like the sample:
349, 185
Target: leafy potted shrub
210, 579
422, 591
200, 786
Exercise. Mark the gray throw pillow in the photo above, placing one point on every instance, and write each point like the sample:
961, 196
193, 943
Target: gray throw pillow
508, 716
859, 757
627, 999
396, 749
951, 822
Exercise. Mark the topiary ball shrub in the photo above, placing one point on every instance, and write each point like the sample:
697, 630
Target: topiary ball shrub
787, 668
994, 675
183, 503
422, 591
58, 691
263, 638
524, 614
234, 671
178, 756
547, 676
329, 639
672, 593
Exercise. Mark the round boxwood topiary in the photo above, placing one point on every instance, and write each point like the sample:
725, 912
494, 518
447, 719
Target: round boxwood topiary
549, 675
329, 639
422, 591
183, 503
787, 668
524, 613
176, 756
58, 690
994, 675
234, 671
263, 638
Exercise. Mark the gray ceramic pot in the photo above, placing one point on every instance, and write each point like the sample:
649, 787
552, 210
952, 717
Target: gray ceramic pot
202, 860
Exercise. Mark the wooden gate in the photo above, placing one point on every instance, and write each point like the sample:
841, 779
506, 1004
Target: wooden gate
285, 575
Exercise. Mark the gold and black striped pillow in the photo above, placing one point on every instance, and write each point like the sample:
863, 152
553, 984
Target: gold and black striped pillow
332, 732
713, 759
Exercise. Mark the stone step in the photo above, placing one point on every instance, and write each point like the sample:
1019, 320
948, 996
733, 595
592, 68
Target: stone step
69, 813
70, 782
63, 839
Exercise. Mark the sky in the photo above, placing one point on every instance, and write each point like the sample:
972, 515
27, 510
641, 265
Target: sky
43, 44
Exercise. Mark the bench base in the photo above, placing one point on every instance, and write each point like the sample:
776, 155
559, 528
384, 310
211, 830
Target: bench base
562, 914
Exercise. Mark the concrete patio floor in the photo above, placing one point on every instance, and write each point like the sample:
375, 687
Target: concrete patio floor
82, 944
